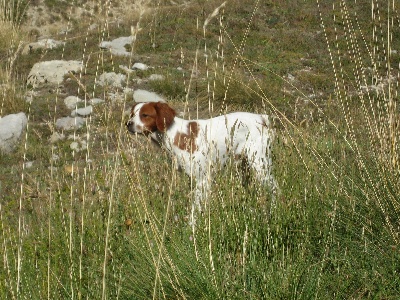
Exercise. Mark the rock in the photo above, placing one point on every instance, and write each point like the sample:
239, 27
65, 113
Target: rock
126, 69
28, 164
78, 145
154, 77
74, 146
42, 44
93, 27
52, 72
71, 101
82, 112
96, 101
11, 128
290, 77
30, 95
55, 137
117, 46
112, 78
146, 96
69, 123
140, 66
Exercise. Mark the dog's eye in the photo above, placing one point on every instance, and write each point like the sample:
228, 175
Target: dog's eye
145, 115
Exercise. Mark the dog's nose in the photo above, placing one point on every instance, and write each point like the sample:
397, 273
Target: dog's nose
128, 123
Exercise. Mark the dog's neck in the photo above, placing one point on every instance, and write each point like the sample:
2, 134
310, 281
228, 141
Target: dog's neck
165, 139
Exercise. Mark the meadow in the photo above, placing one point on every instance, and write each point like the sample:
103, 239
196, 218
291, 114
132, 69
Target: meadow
111, 221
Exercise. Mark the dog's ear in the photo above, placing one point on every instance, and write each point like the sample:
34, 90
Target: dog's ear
165, 116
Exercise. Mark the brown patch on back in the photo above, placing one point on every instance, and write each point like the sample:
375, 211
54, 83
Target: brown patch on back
187, 141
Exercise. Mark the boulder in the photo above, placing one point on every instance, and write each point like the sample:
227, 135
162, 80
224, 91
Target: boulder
154, 77
146, 96
71, 101
70, 123
11, 128
117, 46
52, 72
82, 112
55, 137
42, 44
112, 79
140, 66
96, 101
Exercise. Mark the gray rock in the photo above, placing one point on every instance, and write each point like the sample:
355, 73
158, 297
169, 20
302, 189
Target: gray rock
96, 101
82, 112
112, 79
28, 164
42, 44
11, 128
71, 101
126, 69
140, 66
146, 96
117, 46
93, 27
78, 145
55, 137
74, 146
52, 72
69, 123
154, 77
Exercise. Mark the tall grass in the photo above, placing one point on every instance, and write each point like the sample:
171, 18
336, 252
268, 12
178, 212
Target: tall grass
111, 220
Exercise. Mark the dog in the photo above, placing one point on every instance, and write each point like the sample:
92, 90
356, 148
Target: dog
197, 145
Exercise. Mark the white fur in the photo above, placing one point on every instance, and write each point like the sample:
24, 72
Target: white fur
238, 133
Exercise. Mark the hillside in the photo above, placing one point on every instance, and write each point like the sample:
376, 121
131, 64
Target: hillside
89, 211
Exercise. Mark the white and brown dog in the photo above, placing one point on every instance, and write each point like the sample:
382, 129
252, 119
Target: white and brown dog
199, 144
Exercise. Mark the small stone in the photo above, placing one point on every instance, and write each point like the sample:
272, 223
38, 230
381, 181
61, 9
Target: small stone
55, 137
69, 123
117, 46
83, 145
154, 77
28, 164
11, 128
93, 27
71, 101
146, 96
125, 69
112, 79
82, 112
96, 101
140, 66
128, 222
52, 72
74, 146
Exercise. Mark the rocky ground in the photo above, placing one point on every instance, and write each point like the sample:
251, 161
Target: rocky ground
52, 74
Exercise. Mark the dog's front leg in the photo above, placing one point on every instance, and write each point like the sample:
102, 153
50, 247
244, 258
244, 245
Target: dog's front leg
201, 193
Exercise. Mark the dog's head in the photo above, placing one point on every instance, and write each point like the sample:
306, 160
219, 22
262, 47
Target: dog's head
150, 117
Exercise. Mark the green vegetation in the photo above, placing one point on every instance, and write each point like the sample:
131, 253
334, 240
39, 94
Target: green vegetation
111, 221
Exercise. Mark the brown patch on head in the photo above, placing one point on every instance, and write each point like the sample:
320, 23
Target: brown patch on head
148, 115
165, 116
156, 116
187, 141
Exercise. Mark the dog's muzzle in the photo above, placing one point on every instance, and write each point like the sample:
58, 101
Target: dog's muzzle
130, 127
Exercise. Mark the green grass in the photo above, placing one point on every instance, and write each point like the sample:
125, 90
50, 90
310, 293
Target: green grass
112, 221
